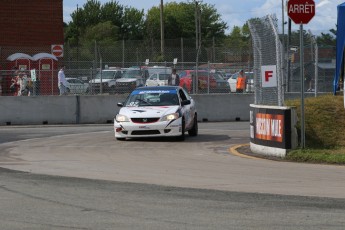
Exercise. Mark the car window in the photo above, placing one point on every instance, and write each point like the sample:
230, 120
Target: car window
168, 99
163, 76
183, 95
118, 74
106, 74
182, 74
152, 98
234, 76
153, 77
249, 75
218, 76
132, 73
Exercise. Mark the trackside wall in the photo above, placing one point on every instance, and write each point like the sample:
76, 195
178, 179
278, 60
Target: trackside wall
102, 109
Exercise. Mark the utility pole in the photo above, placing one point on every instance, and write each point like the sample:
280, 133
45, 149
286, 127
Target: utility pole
162, 29
197, 43
283, 50
77, 25
289, 56
196, 26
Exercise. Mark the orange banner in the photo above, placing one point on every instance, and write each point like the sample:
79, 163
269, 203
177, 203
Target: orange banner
269, 127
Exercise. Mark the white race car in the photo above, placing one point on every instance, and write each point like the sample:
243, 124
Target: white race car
156, 112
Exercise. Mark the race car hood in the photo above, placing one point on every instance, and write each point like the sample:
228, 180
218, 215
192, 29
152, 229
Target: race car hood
148, 111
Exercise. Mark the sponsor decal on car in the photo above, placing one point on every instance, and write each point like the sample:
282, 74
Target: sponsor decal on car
153, 91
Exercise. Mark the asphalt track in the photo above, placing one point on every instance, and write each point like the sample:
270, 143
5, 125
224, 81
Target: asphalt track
208, 161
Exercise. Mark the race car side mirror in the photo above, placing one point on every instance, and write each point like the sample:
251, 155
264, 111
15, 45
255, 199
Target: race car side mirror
185, 102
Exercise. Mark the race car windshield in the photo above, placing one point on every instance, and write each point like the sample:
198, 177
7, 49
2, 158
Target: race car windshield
152, 99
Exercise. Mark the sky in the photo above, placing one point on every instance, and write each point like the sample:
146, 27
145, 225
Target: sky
237, 12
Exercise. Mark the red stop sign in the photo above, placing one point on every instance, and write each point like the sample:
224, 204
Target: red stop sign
301, 11
57, 50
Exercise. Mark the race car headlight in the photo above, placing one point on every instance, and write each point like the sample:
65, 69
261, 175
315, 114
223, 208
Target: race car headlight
121, 118
169, 117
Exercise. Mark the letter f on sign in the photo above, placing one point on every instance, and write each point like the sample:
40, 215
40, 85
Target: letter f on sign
268, 74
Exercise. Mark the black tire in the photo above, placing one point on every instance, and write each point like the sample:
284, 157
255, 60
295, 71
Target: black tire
182, 136
194, 131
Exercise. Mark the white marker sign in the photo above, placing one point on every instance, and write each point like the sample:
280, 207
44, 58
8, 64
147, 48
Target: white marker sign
269, 76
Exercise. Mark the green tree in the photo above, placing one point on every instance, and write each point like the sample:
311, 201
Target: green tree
128, 21
179, 21
327, 39
104, 33
239, 38
132, 24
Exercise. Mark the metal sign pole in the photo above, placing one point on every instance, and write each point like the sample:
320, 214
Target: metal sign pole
302, 85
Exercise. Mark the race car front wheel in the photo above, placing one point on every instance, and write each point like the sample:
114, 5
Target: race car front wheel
182, 136
194, 131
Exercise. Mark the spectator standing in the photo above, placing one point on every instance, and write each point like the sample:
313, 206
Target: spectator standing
23, 83
241, 82
14, 87
174, 78
62, 81
29, 86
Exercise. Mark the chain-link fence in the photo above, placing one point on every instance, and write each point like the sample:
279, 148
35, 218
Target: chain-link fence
318, 65
267, 50
88, 62
84, 63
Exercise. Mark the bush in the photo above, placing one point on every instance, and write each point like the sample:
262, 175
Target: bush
324, 121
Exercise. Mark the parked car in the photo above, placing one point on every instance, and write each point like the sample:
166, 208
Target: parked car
160, 111
186, 79
222, 84
207, 82
131, 79
188, 72
157, 79
77, 86
249, 82
107, 78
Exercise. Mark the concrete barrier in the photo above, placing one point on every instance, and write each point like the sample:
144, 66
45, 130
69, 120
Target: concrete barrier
37, 110
100, 109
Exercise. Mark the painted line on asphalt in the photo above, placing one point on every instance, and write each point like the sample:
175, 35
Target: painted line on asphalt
233, 151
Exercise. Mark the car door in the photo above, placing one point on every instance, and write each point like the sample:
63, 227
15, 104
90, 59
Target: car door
152, 80
71, 85
81, 86
232, 82
77, 86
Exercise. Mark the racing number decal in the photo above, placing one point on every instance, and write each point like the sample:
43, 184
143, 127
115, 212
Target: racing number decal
134, 104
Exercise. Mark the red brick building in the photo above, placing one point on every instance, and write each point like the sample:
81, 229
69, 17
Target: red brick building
30, 27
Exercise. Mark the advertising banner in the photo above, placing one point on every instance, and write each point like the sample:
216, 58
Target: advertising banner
270, 127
